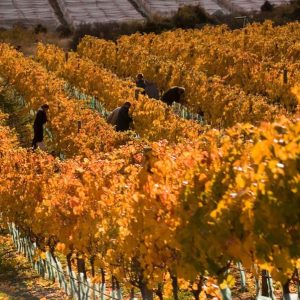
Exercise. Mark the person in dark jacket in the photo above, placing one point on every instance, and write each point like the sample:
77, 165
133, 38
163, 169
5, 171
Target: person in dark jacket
174, 94
123, 119
140, 81
141, 85
112, 118
38, 126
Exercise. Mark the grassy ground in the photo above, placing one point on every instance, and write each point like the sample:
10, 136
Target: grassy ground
17, 278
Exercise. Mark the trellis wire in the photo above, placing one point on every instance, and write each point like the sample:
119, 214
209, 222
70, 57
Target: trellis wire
83, 289
77, 286
180, 110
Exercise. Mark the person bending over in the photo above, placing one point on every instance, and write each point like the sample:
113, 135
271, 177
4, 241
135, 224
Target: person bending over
120, 117
174, 94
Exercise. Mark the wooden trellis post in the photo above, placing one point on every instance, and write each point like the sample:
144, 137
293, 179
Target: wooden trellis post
79, 124
285, 76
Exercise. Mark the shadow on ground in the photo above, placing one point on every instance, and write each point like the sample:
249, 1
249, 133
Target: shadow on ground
17, 278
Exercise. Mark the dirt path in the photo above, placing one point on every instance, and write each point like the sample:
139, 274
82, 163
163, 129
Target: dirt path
17, 278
